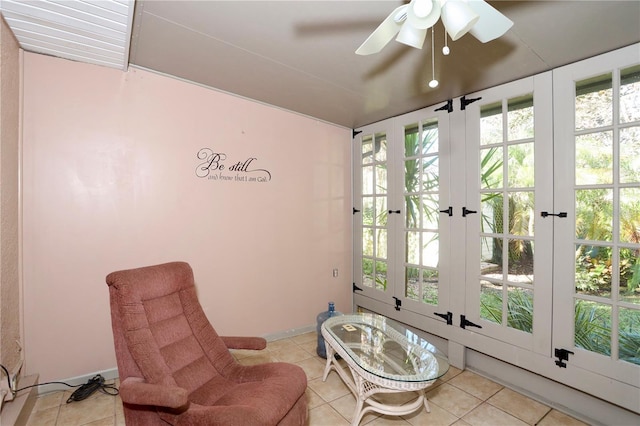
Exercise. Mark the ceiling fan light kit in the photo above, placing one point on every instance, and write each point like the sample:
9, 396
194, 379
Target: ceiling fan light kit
410, 22
412, 36
458, 18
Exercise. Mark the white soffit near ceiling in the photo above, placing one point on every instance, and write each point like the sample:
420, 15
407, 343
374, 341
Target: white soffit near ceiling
96, 31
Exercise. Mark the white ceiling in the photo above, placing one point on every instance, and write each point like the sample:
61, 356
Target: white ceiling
299, 55
96, 32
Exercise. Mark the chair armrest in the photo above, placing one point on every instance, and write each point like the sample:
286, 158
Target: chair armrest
234, 342
134, 390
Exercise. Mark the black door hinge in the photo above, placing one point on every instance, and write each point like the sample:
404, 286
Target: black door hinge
464, 102
446, 107
465, 212
355, 133
356, 288
355, 210
449, 211
464, 322
398, 303
448, 317
562, 355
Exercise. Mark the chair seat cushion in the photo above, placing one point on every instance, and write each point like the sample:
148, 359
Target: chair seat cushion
263, 396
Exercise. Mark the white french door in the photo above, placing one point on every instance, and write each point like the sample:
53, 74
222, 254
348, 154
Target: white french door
371, 227
423, 174
509, 182
401, 169
597, 246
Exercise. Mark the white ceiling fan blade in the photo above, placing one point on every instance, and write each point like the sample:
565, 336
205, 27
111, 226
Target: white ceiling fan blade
384, 33
491, 25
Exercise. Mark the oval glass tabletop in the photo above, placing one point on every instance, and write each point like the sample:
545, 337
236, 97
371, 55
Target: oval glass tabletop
386, 348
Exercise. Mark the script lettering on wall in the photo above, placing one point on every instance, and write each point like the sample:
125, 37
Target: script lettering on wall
218, 166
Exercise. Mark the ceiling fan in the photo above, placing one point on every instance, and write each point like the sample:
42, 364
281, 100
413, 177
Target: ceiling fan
411, 21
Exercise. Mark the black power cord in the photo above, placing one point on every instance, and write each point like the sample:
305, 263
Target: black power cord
84, 391
95, 383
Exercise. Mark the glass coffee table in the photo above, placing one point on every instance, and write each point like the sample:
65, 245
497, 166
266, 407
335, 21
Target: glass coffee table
383, 357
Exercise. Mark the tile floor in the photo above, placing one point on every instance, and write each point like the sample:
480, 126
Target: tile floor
459, 398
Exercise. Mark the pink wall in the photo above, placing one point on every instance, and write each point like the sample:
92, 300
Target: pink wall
109, 182
10, 339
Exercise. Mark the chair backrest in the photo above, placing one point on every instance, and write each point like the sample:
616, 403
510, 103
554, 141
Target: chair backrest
160, 331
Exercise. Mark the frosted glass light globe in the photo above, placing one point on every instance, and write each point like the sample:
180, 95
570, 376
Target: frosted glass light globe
433, 83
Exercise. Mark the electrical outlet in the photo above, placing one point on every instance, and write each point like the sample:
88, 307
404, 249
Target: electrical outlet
335, 273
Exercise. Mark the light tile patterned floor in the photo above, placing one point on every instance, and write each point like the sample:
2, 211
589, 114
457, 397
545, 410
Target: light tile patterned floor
459, 398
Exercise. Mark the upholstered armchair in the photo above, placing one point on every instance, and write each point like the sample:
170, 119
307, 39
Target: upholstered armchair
175, 369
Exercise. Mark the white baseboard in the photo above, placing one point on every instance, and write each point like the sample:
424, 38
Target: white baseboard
290, 333
109, 374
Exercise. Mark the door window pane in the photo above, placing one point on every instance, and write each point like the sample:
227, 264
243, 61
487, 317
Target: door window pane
630, 154
629, 335
521, 165
594, 102
491, 128
430, 137
630, 215
491, 257
594, 214
520, 261
381, 179
430, 249
367, 180
367, 150
368, 212
381, 276
491, 209
592, 326
430, 173
412, 211
491, 165
413, 247
411, 279
630, 275
594, 158
382, 214
430, 286
367, 272
367, 242
381, 239
630, 94
430, 212
521, 213
491, 301
520, 118
520, 309
593, 270
412, 175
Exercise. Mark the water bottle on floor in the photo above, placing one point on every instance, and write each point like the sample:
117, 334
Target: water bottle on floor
321, 350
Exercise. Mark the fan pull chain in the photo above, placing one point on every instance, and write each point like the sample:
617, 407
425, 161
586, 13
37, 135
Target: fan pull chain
433, 83
445, 49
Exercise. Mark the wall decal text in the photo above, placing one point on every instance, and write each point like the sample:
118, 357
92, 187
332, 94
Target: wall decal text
217, 166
